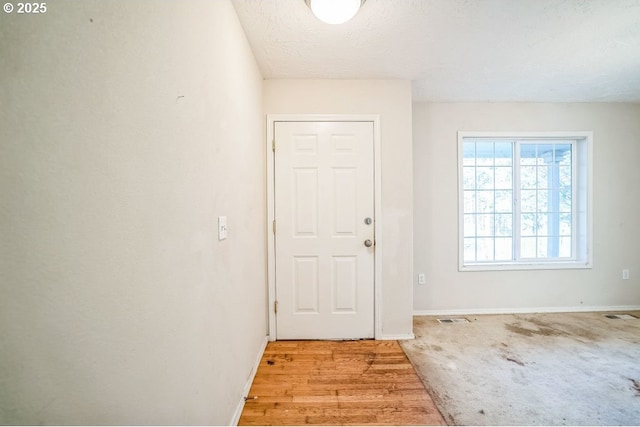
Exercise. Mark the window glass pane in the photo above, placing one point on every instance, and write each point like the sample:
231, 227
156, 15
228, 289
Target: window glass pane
469, 250
484, 178
542, 178
565, 247
504, 178
542, 224
503, 153
484, 153
528, 177
469, 201
469, 177
528, 247
565, 228
564, 176
485, 249
565, 199
542, 247
553, 224
527, 157
554, 178
543, 201
485, 202
528, 201
544, 151
469, 225
553, 242
504, 225
563, 154
484, 161
504, 249
504, 201
528, 224
468, 153
485, 224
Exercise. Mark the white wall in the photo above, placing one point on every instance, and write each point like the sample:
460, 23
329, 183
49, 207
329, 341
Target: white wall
126, 128
616, 175
391, 99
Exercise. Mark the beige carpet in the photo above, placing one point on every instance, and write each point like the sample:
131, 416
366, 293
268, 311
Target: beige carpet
543, 369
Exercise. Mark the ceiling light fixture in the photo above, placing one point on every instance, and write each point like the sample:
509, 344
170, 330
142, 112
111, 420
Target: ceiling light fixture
334, 11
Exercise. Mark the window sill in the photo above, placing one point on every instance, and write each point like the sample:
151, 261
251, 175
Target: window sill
559, 265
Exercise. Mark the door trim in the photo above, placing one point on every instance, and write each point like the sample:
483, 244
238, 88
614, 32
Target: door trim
377, 207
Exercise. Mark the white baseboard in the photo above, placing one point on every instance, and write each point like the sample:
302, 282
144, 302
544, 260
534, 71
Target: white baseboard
398, 337
470, 311
247, 386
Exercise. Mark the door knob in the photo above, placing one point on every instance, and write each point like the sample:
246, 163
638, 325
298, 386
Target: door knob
368, 243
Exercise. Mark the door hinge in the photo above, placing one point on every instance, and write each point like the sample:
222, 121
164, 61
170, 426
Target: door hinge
275, 307
273, 145
274, 226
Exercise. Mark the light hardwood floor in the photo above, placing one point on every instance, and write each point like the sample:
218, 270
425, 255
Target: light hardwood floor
337, 383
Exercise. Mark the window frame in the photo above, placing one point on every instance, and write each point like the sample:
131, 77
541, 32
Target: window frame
582, 232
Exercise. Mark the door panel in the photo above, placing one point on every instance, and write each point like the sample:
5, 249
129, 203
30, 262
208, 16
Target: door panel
305, 284
305, 201
324, 190
345, 195
345, 284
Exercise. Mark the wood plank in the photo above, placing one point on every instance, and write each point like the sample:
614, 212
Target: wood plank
338, 383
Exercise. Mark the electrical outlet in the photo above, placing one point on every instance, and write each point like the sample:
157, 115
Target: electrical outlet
421, 279
625, 274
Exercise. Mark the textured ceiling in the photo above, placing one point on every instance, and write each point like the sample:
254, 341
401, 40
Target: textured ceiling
459, 50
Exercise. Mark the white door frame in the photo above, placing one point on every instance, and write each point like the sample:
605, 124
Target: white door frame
377, 208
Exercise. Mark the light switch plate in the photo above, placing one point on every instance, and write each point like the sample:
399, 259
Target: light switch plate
222, 227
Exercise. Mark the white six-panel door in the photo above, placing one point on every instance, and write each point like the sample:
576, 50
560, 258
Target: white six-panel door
324, 213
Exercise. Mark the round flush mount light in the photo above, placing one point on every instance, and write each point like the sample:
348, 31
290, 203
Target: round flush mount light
334, 11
